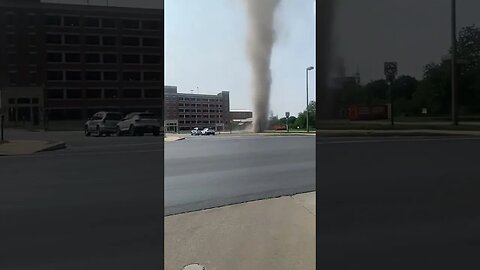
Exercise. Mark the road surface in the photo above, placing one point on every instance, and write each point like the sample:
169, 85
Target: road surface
398, 203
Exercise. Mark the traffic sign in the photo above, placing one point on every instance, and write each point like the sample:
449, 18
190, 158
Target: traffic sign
390, 70
287, 114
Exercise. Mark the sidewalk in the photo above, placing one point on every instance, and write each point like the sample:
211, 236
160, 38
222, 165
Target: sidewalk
173, 137
27, 147
276, 233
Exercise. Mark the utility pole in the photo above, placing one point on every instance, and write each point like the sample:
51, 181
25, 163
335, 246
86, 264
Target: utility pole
307, 70
454, 64
390, 70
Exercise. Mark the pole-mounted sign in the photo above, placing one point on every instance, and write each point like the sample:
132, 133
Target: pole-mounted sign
390, 69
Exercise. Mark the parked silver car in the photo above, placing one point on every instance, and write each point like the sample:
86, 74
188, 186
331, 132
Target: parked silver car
139, 123
102, 123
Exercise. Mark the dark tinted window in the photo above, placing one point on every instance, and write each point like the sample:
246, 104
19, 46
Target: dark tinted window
152, 59
55, 93
72, 39
153, 93
73, 75
151, 25
93, 75
108, 23
54, 39
132, 93
109, 58
131, 24
91, 22
131, 41
55, 75
152, 76
53, 20
131, 58
110, 75
151, 42
109, 41
10, 19
93, 93
92, 58
111, 93
131, 76
74, 93
54, 57
72, 57
71, 21
92, 40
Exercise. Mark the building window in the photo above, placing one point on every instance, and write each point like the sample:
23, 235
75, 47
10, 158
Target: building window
71, 21
151, 25
93, 93
153, 93
34, 100
55, 94
92, 40
33, 78
109, 58
152, 76
12, 78
108, 23
132, 93
72, 57
131, 59
109, 41
110, 75
10, 19
91, 22
152, 59
32, 58
151, 42
54, 39
12, 58
54, 57
31, 20
55, 75
111, 93
131, 76
72, 39
73, 114
74, 93
92, 58
130, 41
131, 24
53, 20
73, 75
93, 75
11, 40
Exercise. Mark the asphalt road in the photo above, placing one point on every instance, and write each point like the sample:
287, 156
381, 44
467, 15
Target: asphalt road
393, 203
98, 204
206, 172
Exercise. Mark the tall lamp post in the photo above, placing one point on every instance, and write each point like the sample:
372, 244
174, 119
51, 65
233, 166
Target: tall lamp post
306, 71
454, 64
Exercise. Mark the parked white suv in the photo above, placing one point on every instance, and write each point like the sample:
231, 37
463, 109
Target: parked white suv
102, 123
208, 131
139, 123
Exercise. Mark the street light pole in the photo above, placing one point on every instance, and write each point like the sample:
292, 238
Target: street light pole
306, 71
454, 64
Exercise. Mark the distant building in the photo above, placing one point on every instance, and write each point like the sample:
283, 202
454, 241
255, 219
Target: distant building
190, 110
236, 115
64, 62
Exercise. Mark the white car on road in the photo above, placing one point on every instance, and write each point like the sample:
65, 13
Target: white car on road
196, 131
139, 123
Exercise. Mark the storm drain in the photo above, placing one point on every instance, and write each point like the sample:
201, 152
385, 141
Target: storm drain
194, 266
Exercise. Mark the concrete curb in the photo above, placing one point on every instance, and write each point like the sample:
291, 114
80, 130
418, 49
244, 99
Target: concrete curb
53, 147
173, 139
395, 133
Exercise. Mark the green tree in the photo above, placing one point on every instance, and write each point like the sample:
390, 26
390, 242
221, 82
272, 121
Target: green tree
301, 120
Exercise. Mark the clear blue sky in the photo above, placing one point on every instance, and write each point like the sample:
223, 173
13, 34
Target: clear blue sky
205, 48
